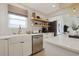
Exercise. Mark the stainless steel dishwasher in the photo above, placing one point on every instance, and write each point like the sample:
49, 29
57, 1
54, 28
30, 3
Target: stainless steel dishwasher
37, 43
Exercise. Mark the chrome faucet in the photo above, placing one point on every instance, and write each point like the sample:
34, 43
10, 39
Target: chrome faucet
19, 29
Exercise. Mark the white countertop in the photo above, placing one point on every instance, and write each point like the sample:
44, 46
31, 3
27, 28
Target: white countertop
65, 42
4, 37
9, 36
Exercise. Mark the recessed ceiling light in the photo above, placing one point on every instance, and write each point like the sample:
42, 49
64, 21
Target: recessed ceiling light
53, 5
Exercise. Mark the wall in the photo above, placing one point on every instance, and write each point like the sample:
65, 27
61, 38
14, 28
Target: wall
4, 29
3, 20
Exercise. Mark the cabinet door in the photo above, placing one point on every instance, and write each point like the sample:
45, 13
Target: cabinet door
27, 46
15, 49
15, 46
3, 47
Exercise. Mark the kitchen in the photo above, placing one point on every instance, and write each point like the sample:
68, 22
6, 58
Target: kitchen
31, 29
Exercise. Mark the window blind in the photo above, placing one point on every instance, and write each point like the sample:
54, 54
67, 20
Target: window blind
17, 10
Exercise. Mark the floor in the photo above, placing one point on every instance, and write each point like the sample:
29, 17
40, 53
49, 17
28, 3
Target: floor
41, 53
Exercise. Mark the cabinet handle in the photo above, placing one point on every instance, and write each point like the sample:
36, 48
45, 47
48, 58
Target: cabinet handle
5, 39
21, 42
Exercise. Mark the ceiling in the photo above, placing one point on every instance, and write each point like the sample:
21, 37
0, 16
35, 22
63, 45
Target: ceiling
46, 8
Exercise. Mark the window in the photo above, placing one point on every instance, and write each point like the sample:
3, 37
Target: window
17, 20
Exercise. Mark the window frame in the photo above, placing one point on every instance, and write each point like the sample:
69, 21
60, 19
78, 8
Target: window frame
9, 25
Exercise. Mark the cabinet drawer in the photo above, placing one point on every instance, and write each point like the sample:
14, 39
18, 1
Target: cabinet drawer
15, 40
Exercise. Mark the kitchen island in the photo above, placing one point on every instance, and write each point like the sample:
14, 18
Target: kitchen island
62, 45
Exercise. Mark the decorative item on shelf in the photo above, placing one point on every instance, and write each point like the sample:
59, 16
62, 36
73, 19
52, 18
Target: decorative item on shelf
34, 15
36, 23
38, 17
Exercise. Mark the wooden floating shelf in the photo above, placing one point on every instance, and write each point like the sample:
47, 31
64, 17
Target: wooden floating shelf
41, 20
40, 25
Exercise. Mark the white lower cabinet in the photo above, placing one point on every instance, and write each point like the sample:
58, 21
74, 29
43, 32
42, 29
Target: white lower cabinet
15, 49
3, 47
21, 47
27, 46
